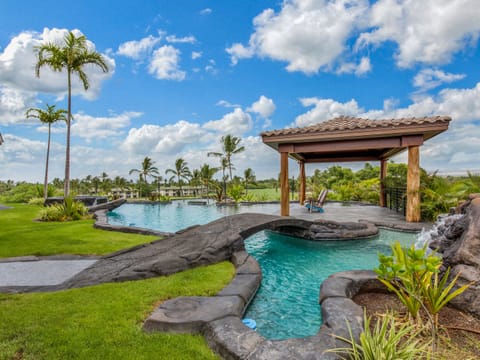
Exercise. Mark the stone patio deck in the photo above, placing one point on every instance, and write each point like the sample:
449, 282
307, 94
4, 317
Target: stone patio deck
344, 212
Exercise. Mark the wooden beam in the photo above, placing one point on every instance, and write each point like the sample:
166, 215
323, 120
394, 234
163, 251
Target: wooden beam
284, 191
342, 145
338, 158
302, 181
383, 175
413, 184
411, 140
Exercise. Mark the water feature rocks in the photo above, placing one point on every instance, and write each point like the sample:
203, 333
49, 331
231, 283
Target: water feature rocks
458, 240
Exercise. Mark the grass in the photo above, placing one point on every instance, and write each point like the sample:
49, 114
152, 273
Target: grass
265, 194
104, 321
21, 235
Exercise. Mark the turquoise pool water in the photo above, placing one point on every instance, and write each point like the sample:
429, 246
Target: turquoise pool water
286, 305
178, 214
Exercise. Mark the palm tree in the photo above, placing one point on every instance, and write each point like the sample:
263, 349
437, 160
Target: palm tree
48, 116
181, 171
147, 169
106, 182
249, 177
71, 56
230, 146
206, 175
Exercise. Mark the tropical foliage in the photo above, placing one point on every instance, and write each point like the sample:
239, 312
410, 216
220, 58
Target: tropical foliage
70, 56
68, 210
386, 340
413, 276
180, 172
230, 146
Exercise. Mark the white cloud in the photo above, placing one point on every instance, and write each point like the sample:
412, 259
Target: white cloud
238, 51
165, 64
169, 139
206, 11
325, 109
237, 123
138, 49
264, 106
210, 68
13, 104
90, 127
196, 54
307, 34
186, 39
227, 104
427, 31
363, 67
428, 79
18, 59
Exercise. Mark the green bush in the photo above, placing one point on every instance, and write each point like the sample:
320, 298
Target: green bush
67, 211
414, 277
236, 192
36, 201
21, 193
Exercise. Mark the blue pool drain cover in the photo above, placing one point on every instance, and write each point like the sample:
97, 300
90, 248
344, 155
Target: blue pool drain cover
252, 324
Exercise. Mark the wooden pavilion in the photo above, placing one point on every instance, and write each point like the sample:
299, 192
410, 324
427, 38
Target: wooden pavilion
346, 139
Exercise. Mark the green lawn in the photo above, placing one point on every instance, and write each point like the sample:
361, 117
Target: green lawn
20, 235
265, 194
104, 321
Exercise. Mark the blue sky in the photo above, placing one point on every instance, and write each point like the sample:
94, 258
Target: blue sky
184, 73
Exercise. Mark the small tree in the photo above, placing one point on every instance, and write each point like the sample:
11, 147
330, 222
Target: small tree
47, 116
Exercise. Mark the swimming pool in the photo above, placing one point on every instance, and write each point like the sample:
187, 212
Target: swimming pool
179, 214
286, 305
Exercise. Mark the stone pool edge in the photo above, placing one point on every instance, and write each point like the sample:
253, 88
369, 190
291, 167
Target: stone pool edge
219, 318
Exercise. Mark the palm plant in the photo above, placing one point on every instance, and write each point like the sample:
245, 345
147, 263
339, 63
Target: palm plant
71, 56
206, 175
181, 172
249, 178
48, 116
146, 170
106, 182
230, 146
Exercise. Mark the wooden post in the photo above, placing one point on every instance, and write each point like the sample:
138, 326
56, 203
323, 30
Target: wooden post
284, 191
302, 181
383, 175
413, 184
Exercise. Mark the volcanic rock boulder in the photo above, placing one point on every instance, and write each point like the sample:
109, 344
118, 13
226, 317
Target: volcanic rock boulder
459, 243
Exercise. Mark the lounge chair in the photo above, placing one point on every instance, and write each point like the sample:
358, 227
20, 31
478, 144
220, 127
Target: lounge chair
313, 205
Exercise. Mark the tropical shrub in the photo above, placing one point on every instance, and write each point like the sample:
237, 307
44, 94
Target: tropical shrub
236, 192
67, 211
36, 201
387, 340
413, 276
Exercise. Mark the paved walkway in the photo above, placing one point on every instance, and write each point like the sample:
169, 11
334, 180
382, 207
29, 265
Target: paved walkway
41, 272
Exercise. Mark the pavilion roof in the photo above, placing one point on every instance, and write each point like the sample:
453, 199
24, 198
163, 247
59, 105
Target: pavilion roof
351, 139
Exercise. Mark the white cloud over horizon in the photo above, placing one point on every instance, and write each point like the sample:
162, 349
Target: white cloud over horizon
313, 35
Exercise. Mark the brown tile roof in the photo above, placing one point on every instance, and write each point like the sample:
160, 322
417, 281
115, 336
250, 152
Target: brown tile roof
343, 123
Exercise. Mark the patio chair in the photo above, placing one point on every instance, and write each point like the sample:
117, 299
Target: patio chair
317, 206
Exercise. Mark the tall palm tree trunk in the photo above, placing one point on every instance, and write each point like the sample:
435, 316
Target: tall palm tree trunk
67, 151
45, 182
